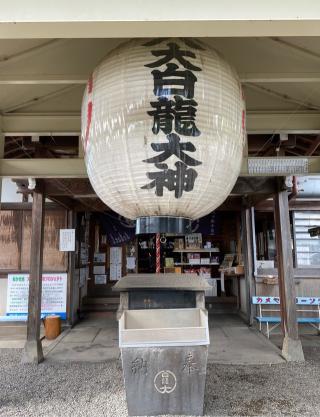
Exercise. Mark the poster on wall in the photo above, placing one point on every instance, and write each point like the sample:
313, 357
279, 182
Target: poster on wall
54, 294
115, 263
99, 269
67, 240
115, 272
99, 257
100, 279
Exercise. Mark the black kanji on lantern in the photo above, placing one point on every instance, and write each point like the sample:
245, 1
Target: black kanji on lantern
178, 112
174, 52
179, 180
173, 147
173, 81
162, 115
181, 110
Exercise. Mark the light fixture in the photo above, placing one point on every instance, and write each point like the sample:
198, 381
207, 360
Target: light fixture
283, 166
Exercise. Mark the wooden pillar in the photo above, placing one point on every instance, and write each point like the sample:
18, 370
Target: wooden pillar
247, 245
72, 285
33, 348
1, 155
291, 348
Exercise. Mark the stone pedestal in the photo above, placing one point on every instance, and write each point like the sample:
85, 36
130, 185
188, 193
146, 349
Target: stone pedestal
165, 380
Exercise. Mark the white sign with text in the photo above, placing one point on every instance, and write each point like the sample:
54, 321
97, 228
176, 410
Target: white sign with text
54, 294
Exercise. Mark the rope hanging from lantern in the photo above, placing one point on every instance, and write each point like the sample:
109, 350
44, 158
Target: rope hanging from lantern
158, 253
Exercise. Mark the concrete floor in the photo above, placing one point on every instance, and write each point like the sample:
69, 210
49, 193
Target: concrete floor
232, 342
95, 339
13, 336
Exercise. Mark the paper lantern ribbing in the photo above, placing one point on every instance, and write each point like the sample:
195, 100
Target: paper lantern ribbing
163, 129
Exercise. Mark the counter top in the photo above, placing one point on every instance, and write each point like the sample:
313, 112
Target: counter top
183, 282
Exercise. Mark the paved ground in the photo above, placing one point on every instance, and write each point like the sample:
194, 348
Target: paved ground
232, 342
56, 389
13, 336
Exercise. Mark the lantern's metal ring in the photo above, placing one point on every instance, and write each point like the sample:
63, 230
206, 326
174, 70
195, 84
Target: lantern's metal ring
163, 239
163, 224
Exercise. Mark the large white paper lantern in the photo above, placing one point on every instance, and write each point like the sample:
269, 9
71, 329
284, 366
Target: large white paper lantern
163, 129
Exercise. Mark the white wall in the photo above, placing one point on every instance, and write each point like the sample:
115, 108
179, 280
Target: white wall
9, 192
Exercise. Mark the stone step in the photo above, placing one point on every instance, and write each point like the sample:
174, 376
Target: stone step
101, 300
99, 307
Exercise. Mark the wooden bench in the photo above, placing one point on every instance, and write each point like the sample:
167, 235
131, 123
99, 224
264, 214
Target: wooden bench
261, 301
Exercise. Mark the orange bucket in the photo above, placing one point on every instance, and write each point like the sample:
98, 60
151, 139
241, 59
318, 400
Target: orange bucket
52, 325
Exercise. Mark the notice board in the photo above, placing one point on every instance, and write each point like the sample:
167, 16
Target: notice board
54, 294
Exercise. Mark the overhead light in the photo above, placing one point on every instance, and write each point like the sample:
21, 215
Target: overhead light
285, 166
35, 138
31, 183
283, 137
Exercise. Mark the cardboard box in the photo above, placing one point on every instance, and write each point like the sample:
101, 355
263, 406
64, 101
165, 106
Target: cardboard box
178, 243
169, 262
239, 270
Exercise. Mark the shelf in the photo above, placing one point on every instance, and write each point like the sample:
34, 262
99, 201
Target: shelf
196, 250
187, 264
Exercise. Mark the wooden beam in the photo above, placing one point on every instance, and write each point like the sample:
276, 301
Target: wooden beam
267, 122
107, 20
313, 146
295, 204
254, 185
291, 348
57, 124
65, 202
247, 245
245, 77
305, 104
33, 349
72, 281
1, 153
32, 124
39, 99
28, 206
296, 48
57, 79
26, 53
43, 168
69, 187
75, 168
